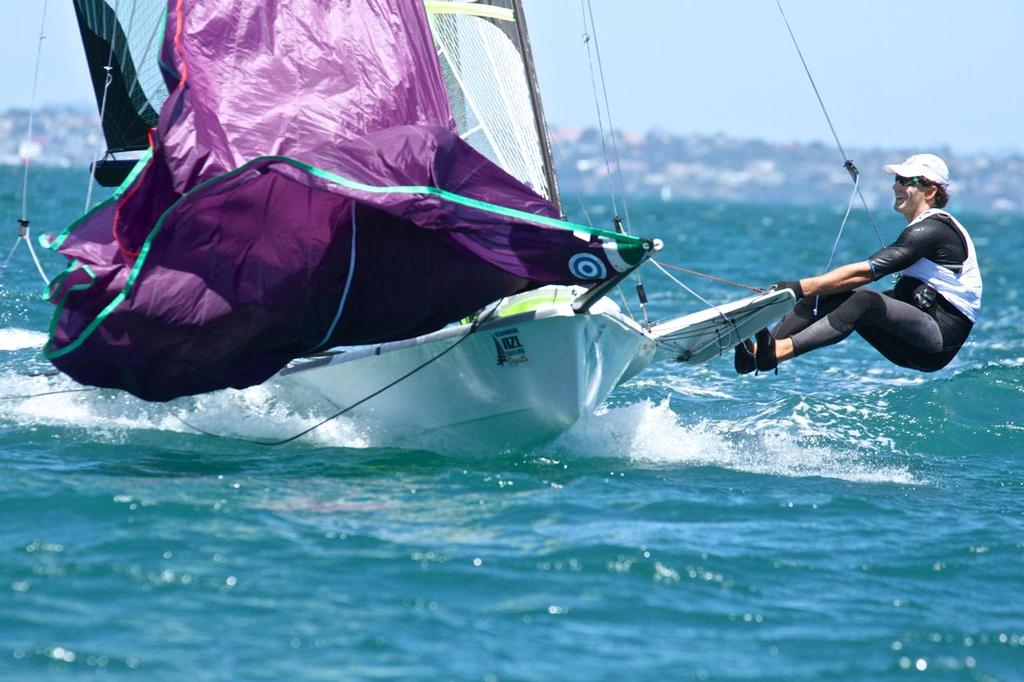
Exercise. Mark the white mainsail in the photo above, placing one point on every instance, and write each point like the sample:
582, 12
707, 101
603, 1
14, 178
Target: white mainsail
491, 87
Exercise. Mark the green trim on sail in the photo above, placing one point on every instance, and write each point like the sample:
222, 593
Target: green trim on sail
163, 36
469, 8
54, 244
137, 169
48, 350
631, 249
75, 265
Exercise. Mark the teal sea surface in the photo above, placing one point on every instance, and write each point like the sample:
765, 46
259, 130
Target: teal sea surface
843, 520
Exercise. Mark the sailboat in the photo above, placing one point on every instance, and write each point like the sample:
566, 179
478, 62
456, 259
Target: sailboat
356, 202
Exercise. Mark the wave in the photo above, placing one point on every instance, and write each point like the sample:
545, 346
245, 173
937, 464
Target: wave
259, 413
867, 436
646, 433
975, 409
14, 338
650, 433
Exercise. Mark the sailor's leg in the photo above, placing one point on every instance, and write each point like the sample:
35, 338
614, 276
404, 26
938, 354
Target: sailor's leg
909, 337
776, 346
766, 354
803, 314
868, 311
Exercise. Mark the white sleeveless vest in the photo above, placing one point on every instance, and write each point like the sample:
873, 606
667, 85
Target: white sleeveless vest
963, 290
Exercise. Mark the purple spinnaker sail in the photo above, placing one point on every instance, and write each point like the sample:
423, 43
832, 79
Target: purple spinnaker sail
305, 189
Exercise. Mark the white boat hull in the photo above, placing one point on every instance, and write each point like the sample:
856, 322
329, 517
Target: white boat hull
524, 375
514, 381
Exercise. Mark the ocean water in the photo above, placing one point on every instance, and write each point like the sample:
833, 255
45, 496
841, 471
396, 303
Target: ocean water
843, 520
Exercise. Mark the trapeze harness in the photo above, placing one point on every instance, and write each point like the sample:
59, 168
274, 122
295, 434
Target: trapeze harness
924, 320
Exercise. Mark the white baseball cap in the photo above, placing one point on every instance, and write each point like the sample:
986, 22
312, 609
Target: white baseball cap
927, 166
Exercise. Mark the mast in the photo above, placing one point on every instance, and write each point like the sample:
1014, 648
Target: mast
538, 109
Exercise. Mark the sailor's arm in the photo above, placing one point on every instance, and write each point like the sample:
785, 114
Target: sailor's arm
843, 278
920, 240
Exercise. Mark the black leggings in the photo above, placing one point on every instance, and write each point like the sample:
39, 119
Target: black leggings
903, 333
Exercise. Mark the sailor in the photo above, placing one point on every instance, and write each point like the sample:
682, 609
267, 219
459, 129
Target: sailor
923, 321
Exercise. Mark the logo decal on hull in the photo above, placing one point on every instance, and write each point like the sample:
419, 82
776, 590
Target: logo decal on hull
510, 349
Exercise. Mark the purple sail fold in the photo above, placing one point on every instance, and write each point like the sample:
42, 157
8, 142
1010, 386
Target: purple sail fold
291, 78
305, 190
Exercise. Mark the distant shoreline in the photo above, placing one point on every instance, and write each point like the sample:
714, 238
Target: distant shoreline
653, 164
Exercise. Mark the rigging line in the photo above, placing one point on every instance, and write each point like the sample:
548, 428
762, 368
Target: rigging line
23, 222
725, 317
586, 217
817, 94
687, 335
31, 114
35, 258
707, 276
692, 292
108, 79
835, 244
625, 304
579, 197
588, 10
608, 112
871, 218
473, 328
847, 162
597, 106
40, 395
10, 254
561, 161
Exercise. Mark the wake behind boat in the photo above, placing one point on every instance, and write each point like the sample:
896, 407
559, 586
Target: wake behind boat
325, 212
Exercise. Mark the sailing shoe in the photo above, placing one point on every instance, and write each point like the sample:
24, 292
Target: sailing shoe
765, 354
743, 359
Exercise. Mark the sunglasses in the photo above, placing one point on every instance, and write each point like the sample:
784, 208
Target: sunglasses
906, 182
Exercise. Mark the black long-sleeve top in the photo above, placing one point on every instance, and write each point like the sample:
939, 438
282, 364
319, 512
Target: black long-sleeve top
935, 238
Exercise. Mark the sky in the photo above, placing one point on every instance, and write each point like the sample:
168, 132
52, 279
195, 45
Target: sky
922, 75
